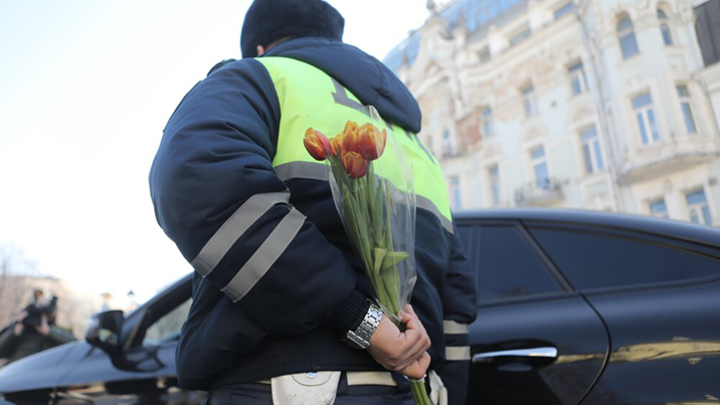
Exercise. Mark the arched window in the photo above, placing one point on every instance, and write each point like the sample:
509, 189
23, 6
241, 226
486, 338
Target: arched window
664, 27
626, 35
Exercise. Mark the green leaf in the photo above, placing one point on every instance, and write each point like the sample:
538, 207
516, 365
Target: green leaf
379, 255
392, 258
392, 289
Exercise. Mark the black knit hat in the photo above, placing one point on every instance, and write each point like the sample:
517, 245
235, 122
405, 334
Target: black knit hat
269, 20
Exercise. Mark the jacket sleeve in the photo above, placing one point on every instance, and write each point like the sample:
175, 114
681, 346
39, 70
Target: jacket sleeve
459, 310
218, 198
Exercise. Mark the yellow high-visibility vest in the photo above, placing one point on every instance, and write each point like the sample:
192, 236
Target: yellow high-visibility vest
309, 97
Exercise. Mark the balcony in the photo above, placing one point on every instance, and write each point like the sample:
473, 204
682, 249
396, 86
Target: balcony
534, 195
666, 157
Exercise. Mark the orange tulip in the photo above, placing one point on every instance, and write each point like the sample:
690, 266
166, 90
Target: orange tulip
336, 145
354, 164
350, 137
317, 144
371, 142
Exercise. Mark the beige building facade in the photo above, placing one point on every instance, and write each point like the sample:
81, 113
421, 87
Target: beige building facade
604, 105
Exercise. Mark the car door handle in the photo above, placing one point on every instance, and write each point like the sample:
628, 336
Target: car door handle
546, 353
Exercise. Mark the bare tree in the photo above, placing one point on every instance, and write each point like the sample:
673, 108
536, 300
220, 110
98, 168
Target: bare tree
15, 270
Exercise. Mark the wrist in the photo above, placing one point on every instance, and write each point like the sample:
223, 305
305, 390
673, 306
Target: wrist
348, 314
360, 336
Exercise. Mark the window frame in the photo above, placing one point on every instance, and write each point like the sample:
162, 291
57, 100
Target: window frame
158, 318
487, 122
627, 34
698, 208
455, 192
519, 36
493, 174
657, 239
595, 151
137, 322
527, 93
448, 148
535, 162
472, 252
686, 109
484, 55
665, 31
658, 200
645, 113
576, 73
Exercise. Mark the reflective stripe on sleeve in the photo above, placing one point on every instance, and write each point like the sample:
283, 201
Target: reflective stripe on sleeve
455, 353
220, 243
455, 328
265, 256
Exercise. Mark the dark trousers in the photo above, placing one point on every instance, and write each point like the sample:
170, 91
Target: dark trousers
259, 394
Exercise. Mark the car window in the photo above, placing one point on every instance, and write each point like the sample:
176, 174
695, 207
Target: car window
507, 266
167, 327
599, 260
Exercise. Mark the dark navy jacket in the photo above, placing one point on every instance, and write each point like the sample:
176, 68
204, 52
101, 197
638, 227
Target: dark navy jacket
215, 156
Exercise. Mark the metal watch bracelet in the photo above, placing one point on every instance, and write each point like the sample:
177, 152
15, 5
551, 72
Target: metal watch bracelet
360, 337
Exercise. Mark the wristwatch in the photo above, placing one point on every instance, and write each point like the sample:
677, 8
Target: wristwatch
360, 337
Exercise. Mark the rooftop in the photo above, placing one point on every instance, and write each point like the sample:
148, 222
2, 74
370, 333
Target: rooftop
475, 16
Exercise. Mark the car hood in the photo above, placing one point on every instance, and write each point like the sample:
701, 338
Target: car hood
42, 370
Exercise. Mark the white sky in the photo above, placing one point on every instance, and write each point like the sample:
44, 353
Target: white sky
86, 88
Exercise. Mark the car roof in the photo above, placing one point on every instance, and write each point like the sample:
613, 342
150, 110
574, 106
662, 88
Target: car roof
665, 227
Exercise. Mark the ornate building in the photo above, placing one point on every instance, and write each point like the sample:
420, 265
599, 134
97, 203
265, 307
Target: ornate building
590, 104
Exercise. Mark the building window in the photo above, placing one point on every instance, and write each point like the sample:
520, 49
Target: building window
487, 122
658, 208
566, 9
540, 168
664, 27
626, 34
684, 96
455, 192
447, 144
494, 176
708, 36
485, 55
528, 94
592, 152
578, 80
517, 38
698, 208
643, 107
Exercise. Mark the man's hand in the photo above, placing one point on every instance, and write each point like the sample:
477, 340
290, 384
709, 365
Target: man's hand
405, 352
19, 327
44, 327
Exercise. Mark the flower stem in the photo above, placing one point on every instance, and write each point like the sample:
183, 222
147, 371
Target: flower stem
419, 392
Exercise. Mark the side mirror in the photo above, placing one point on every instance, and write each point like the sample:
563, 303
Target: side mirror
104, 330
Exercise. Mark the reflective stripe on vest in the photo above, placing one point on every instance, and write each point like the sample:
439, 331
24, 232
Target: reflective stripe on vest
309, 97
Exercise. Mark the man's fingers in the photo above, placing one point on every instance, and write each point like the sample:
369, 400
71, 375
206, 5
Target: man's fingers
416, 333
425, 360
418, 368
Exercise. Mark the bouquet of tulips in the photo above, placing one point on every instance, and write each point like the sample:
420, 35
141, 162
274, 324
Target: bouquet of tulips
374, 193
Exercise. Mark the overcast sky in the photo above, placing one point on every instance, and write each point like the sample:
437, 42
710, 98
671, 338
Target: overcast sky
86, 88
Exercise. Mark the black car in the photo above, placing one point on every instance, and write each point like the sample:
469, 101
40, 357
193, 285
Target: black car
574, 307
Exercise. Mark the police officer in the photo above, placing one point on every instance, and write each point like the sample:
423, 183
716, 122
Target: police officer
281, 310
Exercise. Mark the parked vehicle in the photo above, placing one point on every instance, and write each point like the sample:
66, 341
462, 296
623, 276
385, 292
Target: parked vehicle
574, 307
